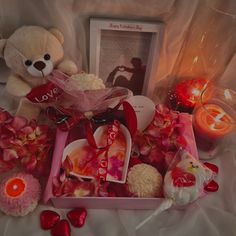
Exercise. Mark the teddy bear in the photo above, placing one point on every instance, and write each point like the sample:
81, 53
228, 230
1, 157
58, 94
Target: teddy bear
32, 53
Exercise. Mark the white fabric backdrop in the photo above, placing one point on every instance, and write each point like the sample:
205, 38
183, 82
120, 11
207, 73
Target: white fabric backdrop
213, 215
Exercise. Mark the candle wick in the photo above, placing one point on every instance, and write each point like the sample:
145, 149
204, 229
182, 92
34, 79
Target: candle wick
196, 92
227, 94
219, 116
217, 119
15, 187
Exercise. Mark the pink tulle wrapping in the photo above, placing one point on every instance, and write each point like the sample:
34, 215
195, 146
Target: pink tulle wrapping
22, 205
88, 100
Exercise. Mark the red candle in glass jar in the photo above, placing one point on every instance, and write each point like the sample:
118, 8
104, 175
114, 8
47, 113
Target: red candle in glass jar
187, 93
211, 123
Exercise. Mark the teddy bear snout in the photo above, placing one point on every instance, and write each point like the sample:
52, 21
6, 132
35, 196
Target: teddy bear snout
39, 65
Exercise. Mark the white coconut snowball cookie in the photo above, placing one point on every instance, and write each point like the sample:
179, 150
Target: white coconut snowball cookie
86, 81
144, 181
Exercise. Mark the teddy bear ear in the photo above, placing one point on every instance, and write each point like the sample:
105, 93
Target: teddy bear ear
58, 34
2, 46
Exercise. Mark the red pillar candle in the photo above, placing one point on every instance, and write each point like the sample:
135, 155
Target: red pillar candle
211, 123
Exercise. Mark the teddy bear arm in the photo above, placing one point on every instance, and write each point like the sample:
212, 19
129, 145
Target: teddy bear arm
68, 67
17, 87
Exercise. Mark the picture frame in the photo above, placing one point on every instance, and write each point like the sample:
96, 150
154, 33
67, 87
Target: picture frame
125, 53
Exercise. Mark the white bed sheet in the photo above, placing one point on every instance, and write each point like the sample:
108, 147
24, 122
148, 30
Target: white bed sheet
213, 215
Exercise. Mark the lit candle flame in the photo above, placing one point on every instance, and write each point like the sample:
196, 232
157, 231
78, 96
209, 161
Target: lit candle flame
195, 59
217, 119
15, 187
227, 94
196, 92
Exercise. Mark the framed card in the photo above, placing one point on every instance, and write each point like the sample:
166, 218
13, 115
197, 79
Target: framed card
125, 53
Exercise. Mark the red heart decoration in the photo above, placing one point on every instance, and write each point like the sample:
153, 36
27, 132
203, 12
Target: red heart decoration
44, 93
182, 178
48, 219
77, 217
212, 167
212, 186
61, 228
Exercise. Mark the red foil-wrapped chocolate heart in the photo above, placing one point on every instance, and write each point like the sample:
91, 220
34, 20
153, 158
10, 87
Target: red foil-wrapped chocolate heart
212, 186
61, 228
77, 217
48, 219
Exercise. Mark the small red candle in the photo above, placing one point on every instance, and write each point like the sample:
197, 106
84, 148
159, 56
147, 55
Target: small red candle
19, 194
211, 123
15, 187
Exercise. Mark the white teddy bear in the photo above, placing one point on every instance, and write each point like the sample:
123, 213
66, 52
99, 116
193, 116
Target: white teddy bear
32, 53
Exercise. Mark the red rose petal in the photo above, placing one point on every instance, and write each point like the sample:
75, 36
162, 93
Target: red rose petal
85, 188
134, 161
6, 165
118, 190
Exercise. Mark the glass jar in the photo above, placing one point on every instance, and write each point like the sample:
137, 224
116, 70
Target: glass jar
214, 117
209, 45
211, 41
